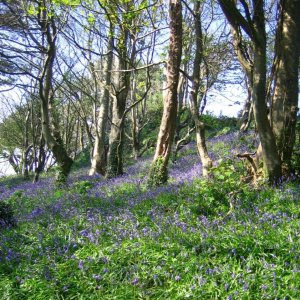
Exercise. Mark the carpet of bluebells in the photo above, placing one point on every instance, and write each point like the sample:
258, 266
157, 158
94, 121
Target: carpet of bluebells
118, 239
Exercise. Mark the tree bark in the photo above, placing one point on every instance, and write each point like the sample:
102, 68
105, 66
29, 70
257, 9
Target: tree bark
41, 160
247, 111
245, 58
194, 94
121, 89
159, 172
26, 148
49, 128
286, 89
134, 122
180, 111
271, 159
99, 159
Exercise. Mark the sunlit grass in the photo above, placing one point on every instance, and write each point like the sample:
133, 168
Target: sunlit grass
116, 239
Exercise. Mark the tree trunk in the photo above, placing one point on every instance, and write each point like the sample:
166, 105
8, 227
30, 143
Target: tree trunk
55, 143
134, 121
135, 133
115, 154
49, 128
254, 27
121, 86
194, 95
26, 148
285, 97
244, 55
270, 155
41, 160
99, 159
159, 172
247, 110
180, 110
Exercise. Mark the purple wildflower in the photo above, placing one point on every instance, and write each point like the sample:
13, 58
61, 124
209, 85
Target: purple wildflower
80, 265
135, 281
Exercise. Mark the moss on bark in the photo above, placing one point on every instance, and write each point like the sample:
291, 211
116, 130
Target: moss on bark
158, 173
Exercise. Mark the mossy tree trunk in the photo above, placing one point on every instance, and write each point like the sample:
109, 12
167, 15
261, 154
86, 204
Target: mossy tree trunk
159, 171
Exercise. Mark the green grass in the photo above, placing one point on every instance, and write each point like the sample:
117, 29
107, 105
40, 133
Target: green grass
177, 246
214, 239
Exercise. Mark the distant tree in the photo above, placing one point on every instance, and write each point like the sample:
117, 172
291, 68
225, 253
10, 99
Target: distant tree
20, 129
139, 90
131, 36
39, 23
92, 35
146, 92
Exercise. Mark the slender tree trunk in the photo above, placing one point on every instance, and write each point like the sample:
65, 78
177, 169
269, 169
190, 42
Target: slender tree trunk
55, 143
244, 55
159, 172
247, 110
76, 137
134, 122
99, 159
286, 89
26, 148
181, 93
135, 134
34, 130
41, 160
85, 130
194, 95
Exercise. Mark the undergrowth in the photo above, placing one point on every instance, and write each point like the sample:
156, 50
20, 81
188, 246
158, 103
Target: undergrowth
198, 239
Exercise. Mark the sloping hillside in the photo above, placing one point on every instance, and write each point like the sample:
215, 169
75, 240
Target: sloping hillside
118, 239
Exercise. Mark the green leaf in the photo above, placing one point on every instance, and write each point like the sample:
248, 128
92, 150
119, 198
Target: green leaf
67, 2
31, 10
91, 18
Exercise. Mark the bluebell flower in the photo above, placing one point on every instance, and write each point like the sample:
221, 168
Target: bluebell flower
80, 265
